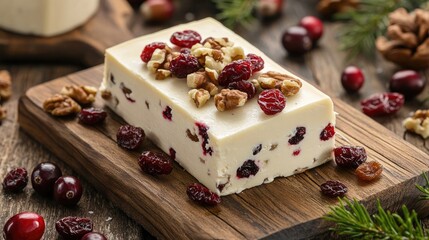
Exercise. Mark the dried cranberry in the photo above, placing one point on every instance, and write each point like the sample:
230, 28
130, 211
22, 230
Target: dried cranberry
202, 195
298, 137
67, 190
130, 137
382, 104
186, 38
93, 236
127, 92
43, 178
235, 71
183, 65
327, 133
185, 51
155, 163
349, 156
256, 61
92, 115
369, 171
148, 50
244, 86
333, 189
73, 228
249, 168
172, 153
15, 180
167, 113
24, 226
257, 149
296, 152
202, 131
272, 101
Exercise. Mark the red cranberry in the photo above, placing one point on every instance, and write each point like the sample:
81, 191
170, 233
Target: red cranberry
15, 180
93, 236
155, 163
244, 86
148, 50
327, 133
296, 40
298, 137
202, 131
183, 65
67, 190
235, 71
408, 82
157, 10
186, 38
349, 156
333, 188
314, 27
352, 79
43, 178
382, 104
73, 228
167, 113
24, 226
249, 168
130, 137
256, 61
91, 116
202, 195
271, 101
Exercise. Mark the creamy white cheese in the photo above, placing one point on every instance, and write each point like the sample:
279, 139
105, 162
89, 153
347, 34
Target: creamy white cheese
234, 136
45, 17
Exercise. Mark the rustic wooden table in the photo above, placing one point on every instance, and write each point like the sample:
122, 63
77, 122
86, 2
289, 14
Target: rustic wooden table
322, 67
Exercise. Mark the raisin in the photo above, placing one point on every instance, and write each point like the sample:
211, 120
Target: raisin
92, 115
148, 50
349, 156
382, 104
202, 131
73, 228
186, 39
369, 171
130, 137
256, 61
183, 65
249, 168
257, 149
167, 113
235, 71
244, 86
15, 180
202, 195
327, 133
298, 137
127, 92
272, 101
155, 163
333, 188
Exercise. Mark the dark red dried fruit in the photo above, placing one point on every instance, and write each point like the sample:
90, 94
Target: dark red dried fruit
296, 40
43, 178
407, 82
382, 104
249, 168
244, 86
15, 180
92, 115
24, 226
67, 190
172, 153
349, 156
127, 92
93, 236
235, 71
369, 171
185, 51
333, 189
298, 137
202, 131
327, 133
272, 101
148, 50
256, 61
183, 65
73, 228
202, 195
296, 152
130, 137
155, 163
186, 39
257, 149
167, 113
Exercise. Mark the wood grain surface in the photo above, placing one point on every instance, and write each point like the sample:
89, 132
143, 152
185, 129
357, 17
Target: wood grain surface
322, 67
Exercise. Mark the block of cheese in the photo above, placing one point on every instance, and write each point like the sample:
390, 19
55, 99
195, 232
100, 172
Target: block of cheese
45, 17
226, 151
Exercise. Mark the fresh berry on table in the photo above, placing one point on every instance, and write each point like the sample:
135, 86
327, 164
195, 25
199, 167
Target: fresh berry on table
24, 226
93, 236
314, 27
352, 79
67, 190
408, 82
43, 178
296, 40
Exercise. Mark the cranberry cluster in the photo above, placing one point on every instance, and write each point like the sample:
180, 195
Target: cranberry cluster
301, 39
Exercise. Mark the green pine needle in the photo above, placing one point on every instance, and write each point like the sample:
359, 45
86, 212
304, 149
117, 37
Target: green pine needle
233, 12
424, 189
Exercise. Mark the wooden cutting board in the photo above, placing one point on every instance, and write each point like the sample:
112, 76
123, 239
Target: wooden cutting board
83, 45
288, 208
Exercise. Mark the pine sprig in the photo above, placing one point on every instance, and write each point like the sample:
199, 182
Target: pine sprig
233, 12
424, 189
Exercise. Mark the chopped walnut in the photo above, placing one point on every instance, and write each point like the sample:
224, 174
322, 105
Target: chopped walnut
289, 85
196, 79
3, 113
229, 99
61, 105
213, 75
162, 74
200, 96
234, 53
81, 94
106, 94
418, 123
158, 58
5, 85
255, 83
217, 43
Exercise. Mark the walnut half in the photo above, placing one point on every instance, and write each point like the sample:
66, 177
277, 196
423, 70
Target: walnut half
418, 123
61, 105
288, 84
229, 99
81, 94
